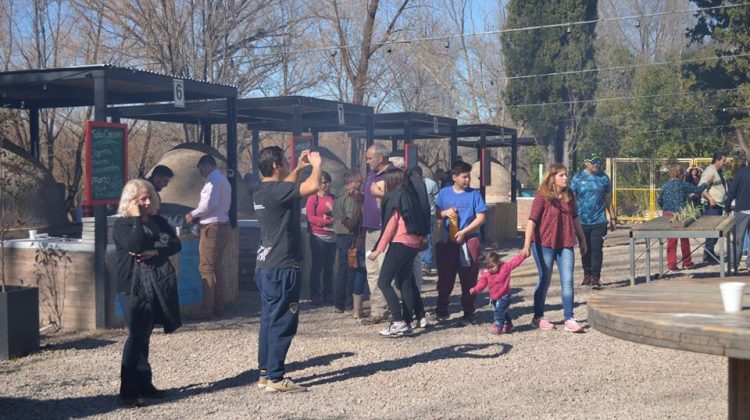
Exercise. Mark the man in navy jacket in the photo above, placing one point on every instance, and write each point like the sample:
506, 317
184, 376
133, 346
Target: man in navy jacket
739, 192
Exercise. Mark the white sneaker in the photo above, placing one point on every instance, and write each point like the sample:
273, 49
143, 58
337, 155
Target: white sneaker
423, 322
396, 329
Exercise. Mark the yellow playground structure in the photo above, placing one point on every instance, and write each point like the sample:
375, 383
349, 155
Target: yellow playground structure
636, 183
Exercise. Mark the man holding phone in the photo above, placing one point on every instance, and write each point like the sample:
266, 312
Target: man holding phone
277, 273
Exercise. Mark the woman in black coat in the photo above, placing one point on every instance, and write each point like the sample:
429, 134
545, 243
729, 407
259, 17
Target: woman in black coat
146, 283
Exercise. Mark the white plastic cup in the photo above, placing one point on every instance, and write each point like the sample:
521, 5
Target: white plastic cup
731, 295
178, 230
32, 234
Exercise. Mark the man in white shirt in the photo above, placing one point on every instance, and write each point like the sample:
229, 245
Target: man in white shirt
213, 215
713, 175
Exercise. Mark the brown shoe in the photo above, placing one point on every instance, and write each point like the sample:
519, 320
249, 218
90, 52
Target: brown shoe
586, 280
284, 385
595, 283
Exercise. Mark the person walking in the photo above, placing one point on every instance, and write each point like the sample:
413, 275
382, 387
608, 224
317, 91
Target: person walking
715, 196
593, 196
212, 214
347, 216
401, 237
146, 284
319, 211
462, 211
277, 204
496, 277
672, 199
550, 237
739, 192
377, 159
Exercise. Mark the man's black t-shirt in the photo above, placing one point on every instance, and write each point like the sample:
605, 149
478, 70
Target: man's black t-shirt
277, 206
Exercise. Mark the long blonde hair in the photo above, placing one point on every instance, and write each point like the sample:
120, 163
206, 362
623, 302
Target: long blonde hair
547, 187
130, 192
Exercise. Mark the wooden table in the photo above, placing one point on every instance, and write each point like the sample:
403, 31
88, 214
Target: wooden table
719, 227
683, 315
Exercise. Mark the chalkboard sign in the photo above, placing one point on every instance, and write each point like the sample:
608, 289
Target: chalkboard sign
486, 167
106, 161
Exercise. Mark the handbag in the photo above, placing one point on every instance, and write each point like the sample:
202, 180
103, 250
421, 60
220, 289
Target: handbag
352, 257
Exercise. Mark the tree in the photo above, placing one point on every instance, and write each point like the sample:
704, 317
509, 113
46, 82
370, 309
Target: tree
558, 123
726, 31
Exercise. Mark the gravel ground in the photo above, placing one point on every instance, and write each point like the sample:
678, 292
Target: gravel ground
445, 371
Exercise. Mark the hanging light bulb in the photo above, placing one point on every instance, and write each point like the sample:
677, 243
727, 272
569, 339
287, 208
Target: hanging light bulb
447, 43
637, 23
569, 29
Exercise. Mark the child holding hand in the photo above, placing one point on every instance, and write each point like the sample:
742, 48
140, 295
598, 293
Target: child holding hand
496, 277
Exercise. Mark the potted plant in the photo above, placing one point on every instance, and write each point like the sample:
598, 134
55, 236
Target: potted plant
685, 217
19, 305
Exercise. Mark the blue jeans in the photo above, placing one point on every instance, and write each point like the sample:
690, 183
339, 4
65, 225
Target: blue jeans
545, 258
349, 281
501, 310
322, 256
279, 316
426, 255
708, 248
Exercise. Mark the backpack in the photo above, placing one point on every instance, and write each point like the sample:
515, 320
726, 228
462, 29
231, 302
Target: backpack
421, 219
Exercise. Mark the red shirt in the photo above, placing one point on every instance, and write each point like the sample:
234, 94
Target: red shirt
555, 222
317, 207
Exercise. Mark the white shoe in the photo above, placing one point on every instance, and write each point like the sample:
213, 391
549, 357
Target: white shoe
396, 329
423, 322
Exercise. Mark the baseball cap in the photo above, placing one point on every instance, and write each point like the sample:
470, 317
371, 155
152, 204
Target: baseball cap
592, 158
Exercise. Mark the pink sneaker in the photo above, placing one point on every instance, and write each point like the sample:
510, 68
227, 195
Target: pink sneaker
573, 326
496, 330
507, 328
543, 324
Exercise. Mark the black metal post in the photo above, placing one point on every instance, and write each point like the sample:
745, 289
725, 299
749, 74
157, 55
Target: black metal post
513, 167
354, 153
370, 131
206, 131
256, 152
297, 121
100, 216
394, 143
315, 139
232, 156
34, 132
454, 142
482, 143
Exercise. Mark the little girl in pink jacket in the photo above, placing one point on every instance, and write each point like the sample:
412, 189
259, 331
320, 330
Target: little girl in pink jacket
496, 276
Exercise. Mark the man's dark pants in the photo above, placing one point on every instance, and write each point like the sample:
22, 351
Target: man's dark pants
279, 316
708, 251
592, 259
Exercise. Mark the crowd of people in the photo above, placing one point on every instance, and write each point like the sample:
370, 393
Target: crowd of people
379, 230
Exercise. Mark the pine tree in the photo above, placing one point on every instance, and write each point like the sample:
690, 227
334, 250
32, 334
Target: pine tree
559, 124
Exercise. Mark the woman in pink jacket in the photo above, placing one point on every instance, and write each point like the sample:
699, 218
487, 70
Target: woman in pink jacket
496, 276
319, 209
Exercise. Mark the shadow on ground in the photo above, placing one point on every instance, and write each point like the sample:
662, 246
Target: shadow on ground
465, 351
64, 408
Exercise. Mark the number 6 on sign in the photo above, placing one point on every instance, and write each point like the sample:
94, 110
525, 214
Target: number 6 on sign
179, 93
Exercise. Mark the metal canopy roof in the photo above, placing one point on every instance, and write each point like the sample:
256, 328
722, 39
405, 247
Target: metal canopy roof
477, 130
75, 86
410, 125
526, 141
263, 114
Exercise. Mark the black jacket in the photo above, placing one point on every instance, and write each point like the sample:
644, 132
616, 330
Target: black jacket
153, 280
739, 190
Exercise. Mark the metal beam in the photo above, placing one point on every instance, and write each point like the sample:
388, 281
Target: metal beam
34, 132
206, 131
100, 216
256, 153
513, 167
232, 156
454, 142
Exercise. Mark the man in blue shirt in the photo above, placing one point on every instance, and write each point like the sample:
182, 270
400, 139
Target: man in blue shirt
593, 192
